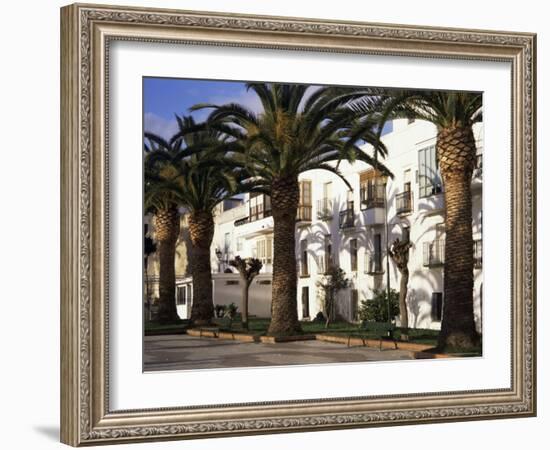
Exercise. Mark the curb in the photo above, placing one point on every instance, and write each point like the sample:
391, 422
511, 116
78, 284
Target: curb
418, 351
276, 339
373, 343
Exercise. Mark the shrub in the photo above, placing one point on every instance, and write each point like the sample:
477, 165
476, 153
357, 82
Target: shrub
320, 317
231, 310
376, 309
219, 311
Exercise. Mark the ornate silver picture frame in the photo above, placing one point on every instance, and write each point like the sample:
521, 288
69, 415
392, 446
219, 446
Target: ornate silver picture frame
87, 33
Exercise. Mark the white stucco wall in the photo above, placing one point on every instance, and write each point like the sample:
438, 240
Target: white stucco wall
403, 143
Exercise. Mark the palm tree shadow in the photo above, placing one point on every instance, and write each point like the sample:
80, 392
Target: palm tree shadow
51, 432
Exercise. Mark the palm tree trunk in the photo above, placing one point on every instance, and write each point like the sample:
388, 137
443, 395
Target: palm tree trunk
201, 231
167, 232
456, 153
244, 306
284, 306
403, 313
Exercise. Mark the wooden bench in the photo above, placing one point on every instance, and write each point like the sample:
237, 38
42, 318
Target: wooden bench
381, 329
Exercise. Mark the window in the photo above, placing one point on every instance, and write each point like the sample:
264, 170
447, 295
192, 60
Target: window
240, 244
181, 295
305, 193
349, 201
264, 251
327, 190
406, 234
429, 179
269, 250
260, 249
226, 244
377, 256
304, 205
304, 268
305, 301
324, 204
354, 304
353, 254
373, 257
328, 253
372, 189
437, 306
259, 206
407, 176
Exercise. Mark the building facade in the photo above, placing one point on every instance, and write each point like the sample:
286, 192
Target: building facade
351, 229
151, 263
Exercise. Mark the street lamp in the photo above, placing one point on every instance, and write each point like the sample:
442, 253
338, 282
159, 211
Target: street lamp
219, 256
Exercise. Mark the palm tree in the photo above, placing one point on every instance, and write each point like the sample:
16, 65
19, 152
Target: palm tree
453, 114
203, 178
298, 130
161, 201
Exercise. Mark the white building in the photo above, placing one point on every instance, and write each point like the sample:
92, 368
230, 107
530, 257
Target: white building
348, 228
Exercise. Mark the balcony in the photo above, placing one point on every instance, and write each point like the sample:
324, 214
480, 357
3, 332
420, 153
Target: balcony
372, 196
347, 219
478, 254
403, 202
434, 253
303, 215
324, 209
242, 221
256, 213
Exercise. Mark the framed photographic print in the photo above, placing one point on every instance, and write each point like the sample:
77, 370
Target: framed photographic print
278, 224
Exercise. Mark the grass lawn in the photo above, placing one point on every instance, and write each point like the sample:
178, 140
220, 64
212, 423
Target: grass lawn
155, 328
260, 326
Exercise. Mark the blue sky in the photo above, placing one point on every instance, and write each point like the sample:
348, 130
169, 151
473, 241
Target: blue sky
164, 97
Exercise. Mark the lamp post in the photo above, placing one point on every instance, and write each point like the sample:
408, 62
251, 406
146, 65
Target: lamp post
219, 256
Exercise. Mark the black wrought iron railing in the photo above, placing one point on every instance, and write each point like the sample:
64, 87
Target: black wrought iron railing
347, 218
372, 196
324, 209
242, 221
373, 263
256, 213
434, 253
403, 202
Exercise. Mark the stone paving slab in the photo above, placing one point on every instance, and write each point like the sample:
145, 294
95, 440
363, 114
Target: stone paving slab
183, 352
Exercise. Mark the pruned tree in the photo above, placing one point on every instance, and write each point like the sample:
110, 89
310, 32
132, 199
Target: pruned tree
399, 253
334, 281
248, 269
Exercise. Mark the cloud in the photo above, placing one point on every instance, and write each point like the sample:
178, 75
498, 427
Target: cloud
159, 125
248, 99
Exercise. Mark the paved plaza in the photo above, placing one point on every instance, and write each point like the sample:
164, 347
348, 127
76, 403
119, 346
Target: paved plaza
183, 352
